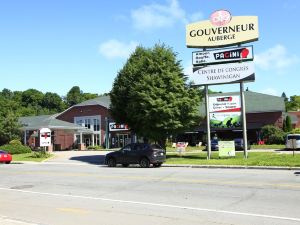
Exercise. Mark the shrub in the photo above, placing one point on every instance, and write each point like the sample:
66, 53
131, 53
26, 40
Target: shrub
296, 131
15, 149
96, 147
41, 154
15, 142
273, 135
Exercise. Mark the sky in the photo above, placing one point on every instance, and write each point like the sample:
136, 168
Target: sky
54, 45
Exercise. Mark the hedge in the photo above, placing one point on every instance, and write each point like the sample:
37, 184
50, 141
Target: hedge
15, 149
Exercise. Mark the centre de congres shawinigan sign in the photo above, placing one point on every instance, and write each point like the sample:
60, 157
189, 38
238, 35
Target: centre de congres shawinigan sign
208, 33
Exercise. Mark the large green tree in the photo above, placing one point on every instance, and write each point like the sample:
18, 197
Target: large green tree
293, 104
150, 94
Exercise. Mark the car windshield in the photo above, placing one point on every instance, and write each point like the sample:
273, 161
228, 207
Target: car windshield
297, 137
156, 147
2, 152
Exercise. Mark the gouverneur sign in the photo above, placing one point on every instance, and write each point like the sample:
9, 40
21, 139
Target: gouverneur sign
222, 30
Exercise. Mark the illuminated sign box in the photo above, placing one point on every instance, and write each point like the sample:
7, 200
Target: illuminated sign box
223, 73
205, 34
223, 56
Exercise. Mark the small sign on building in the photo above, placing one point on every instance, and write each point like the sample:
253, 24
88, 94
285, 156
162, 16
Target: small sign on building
45, 137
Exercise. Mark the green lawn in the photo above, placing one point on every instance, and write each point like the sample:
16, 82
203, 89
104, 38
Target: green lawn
254, 159
29, 157
267, 146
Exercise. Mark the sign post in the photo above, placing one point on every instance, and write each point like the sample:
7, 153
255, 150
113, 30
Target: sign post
45, 138
225, 65
208, 123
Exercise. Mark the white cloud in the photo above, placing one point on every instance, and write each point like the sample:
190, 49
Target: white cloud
276, 57
159, 16
270, 91
116, 49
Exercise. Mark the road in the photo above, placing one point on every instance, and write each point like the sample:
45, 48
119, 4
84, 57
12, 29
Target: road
63, 194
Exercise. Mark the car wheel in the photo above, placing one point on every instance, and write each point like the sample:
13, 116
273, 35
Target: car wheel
145, 163
8, 162
125, 164
157, 164
111, 162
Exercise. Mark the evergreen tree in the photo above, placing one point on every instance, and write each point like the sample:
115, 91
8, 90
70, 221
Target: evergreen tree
150, 95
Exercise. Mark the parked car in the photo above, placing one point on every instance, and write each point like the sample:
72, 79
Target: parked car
289, 141
239, 144
137, 153
215, 145
5, 157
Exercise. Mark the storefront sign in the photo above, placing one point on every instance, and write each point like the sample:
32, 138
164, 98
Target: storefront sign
222, 30
226, 103
225, 111
225, 120
226, 148
45, 137
118, 127
223, 56
223, 73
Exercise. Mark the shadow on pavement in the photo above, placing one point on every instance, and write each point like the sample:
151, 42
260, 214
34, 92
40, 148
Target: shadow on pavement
91, 159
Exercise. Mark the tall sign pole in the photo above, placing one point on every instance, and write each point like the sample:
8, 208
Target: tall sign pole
208, 123
244, 120
221, 65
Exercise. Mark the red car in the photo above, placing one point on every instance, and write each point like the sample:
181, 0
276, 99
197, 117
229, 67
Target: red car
5, 157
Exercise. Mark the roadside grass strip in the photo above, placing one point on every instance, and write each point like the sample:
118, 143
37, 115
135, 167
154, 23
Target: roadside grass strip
254, 159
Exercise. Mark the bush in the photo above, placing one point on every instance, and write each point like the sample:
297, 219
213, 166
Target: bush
96, 147
15, 149
273, 135
296, 131
15, 142
41, 154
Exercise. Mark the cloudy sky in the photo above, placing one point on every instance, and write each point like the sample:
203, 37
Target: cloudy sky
54, 45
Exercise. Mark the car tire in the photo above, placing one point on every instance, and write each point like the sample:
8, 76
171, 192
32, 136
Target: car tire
111, 162
125, 164
157, 164
8, 162
145, 163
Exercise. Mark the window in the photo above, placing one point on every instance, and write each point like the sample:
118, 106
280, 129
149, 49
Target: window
96, 125
87, 123
127, 148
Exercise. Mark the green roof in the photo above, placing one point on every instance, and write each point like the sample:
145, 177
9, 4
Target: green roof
49, 121
255, 102
102, 100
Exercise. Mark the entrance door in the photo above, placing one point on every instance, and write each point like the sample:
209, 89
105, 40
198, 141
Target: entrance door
87, 142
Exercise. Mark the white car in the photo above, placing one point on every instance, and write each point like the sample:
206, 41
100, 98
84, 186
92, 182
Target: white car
292, 141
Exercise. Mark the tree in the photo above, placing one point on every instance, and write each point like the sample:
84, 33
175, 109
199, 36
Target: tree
32, 97
74, 96
53, 102
9, 128
287, 124
273, 134
293, 104
150, 95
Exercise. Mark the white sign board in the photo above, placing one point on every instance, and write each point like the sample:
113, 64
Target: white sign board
225, 111
45, 137
118, 127
223, 55
223, 73
226, 148
228, 103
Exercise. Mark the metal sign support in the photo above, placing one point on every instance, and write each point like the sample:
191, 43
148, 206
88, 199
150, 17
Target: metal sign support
244, 120
208, 123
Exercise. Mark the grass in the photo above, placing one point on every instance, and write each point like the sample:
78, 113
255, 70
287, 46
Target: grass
30, 157
254, 159
267, 146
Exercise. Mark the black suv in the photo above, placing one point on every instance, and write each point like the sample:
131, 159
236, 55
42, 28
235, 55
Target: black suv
137, 153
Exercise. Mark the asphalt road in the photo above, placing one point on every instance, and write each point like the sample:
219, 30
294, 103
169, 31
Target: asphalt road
63, 194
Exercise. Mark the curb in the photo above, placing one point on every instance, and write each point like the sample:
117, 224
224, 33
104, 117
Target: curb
231, 167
